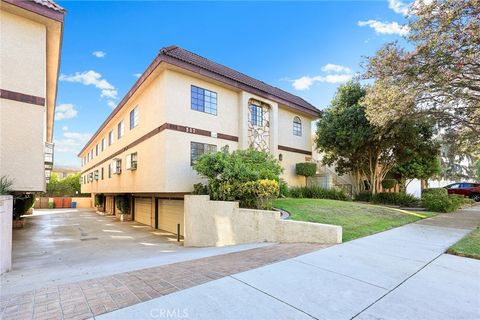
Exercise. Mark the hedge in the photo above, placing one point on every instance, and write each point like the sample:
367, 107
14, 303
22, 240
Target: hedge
316, 192
439, 191
395, 198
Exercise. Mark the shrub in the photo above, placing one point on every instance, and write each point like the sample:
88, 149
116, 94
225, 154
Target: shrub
123, 203
365, 196
316, 192
395, 198
441, 202
438, 191
228, 172
51, 205
98, 200
200, 189
283, 188
258, 194
306, 169
389, 183
21, 204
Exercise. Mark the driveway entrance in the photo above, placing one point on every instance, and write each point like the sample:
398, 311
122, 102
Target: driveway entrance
67, 244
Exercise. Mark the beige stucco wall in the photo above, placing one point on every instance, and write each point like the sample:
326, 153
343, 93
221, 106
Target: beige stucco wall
221, 223
22, 125
164, 159
83, 202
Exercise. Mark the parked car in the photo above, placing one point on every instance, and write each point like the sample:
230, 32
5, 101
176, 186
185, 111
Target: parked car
467, 189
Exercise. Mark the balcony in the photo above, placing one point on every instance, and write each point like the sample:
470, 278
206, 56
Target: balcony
48, 160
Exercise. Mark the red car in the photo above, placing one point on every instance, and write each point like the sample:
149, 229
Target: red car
467, 189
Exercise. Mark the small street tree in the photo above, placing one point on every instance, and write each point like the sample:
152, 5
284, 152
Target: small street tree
306, 169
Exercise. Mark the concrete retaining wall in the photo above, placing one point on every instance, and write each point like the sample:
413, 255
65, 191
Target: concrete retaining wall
221, 223
6, 216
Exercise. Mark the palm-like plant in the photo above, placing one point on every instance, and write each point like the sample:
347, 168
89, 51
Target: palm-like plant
5, 185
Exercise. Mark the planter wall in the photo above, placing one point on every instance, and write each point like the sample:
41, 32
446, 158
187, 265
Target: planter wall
221, 223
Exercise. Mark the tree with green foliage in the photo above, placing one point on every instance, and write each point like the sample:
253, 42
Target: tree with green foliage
306, 169
69, 186
438, 78
5, 185
347, 139
478, 170
418, 167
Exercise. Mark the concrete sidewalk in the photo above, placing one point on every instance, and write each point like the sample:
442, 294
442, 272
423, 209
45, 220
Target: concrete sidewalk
397, 274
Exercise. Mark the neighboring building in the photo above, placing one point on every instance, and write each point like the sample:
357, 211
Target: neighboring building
31, 38
181, 107
63, 172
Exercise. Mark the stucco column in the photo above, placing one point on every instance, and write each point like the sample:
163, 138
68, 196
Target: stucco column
6, 216
243, 118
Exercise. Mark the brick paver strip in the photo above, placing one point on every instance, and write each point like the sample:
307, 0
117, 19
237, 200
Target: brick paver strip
84, 299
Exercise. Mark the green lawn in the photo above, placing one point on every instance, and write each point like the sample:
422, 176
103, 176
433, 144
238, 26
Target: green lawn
468, 246
357, 219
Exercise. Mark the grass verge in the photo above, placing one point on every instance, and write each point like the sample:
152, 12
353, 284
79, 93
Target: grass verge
468, 247
357, 219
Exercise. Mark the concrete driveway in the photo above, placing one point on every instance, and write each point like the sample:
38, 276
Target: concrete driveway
65, 245
398, 274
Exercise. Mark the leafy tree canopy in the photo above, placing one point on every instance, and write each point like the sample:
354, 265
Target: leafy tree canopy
69, 186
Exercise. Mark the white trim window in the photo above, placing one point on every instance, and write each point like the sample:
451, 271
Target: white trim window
131, 161
297, 126
134, 118
120, 129
116, 166
110, 137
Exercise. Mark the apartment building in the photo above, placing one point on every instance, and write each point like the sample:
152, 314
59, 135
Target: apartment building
182, 106
31, 37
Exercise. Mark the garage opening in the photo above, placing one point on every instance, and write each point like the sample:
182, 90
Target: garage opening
143, 211
169, 215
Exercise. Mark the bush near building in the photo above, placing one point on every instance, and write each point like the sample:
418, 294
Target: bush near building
306, 169
395, 198
248, 176
438, 200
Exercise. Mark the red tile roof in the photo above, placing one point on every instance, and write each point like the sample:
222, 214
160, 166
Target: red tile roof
190, 61
223, 71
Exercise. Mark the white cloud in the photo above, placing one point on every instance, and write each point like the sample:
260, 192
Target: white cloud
99, 54
111, 103
137, 75
306, 82
65, 128
330, 67
72, 142
65, 111
385, 27
399, 7
92, 78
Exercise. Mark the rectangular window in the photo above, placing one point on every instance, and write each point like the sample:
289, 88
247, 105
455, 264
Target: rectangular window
91, 154
101, 174
95, 175
96, 150
256, 115
110, 138
131, 161
116, 166
120, 130
103, 144
110, 170
134, 118
204, 100
197, 149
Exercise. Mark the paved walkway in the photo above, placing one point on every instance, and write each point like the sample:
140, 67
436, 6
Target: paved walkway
84, 299
397, 274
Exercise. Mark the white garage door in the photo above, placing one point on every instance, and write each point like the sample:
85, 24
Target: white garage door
170, 213
143, 210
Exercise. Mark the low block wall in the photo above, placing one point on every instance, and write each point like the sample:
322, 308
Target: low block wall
83, 202
221, 223
6, 216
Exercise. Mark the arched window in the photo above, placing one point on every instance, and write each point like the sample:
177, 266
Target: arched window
297, 126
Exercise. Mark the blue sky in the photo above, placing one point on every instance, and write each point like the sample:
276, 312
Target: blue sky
306, 48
